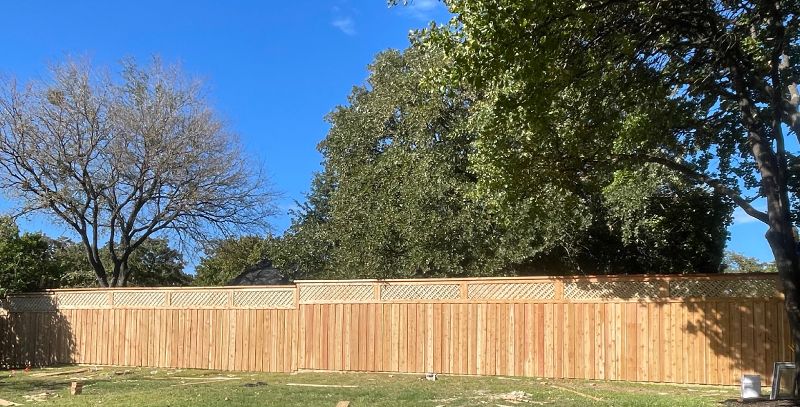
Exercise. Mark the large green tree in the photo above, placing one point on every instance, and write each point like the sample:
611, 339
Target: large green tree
33, 261
739, 263
397, 157
153, 264
399, 197
306, 247
26, 261
704, 89
224, 259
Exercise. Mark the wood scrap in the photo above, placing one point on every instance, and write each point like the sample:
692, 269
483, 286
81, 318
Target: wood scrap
40, 396
321, 385
5, 403
174, 378
203, 382
194, 378
588, 396
76, 388
343, 403
61, 372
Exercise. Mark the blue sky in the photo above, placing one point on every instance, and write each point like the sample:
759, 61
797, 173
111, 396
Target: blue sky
273, 69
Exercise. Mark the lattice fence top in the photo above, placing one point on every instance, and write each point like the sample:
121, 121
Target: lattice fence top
649, 288
263, 299
594, 290
724, 288
145, 299
511, 291
200, 299
395, 292
32, 303
336, 293
92, 299
268, 298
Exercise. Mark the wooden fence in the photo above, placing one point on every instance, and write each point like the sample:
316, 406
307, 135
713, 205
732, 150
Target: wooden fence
698, 329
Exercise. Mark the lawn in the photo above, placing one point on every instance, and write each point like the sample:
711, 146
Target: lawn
117, 386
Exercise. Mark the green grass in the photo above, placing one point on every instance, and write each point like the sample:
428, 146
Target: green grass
118, 386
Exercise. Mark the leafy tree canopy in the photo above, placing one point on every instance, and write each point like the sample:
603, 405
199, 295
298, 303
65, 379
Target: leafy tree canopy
580, 89
739, 263
305, 249
152, 264
224, 259
33, 261
401, 196
26, 261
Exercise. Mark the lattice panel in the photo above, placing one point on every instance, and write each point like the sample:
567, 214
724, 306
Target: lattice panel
32, 303
336, 293
200, 299
391, 292
264, 299
724, 288
585, 290
144, 299
511, 291
97, 299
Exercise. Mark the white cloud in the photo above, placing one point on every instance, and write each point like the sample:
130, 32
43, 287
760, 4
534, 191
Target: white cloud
740, 217
422, 9
345, 25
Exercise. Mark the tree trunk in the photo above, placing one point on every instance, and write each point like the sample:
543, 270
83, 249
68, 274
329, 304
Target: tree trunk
99, 273
101, 280
124, 271
785, 250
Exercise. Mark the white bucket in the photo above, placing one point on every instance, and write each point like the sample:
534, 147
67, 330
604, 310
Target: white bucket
751, 386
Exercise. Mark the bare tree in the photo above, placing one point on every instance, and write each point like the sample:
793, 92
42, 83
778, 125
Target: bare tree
121, 160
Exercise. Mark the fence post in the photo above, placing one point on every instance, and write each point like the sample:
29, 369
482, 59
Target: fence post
376, 291
559, 289
295, 345
663, 288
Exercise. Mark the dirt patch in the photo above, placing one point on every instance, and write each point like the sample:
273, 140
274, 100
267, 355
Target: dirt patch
762, 403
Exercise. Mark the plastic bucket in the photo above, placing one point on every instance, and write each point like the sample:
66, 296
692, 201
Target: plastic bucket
751, 387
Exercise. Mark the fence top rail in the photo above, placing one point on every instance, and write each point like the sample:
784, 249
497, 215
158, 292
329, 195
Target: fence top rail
580, 278
160, 289
455, 280
535, 288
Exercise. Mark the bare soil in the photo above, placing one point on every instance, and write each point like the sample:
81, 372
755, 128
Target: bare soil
762, 403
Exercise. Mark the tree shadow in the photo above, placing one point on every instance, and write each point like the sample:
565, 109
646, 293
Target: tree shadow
701, 330
42, 385
744, 336
35, 338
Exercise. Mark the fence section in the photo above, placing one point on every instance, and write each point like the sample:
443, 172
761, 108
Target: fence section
225, 329
698, 329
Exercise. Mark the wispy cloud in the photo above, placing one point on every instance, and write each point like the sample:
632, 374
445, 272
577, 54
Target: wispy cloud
740, 217
423, 9
345, 25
